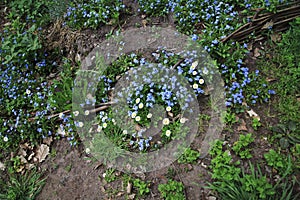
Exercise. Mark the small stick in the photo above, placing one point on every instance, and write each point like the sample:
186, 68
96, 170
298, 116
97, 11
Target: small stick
98, 108
178, 63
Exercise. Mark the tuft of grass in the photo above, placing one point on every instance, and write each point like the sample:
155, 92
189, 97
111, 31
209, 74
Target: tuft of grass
22, 187
284, 68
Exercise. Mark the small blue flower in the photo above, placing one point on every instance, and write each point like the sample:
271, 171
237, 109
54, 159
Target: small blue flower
194, 37
271, 92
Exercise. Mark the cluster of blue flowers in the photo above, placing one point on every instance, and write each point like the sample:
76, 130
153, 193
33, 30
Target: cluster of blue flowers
217, 19
27, 98
24, 100
161, 7
93, 13
147, 84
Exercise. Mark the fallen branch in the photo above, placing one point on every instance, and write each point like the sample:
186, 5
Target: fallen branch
260, 21
99, 107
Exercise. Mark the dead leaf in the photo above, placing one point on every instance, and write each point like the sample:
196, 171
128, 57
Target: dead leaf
141, 175
29, 166
138, 127
243, 126
129, 188
77, 57
276, 37
102, 189
250, 46
119, 194
212, 198
7, 24
31, 156
97, 166
144, 22
2, 166
170, 114
47, 140
256, 52
269, 56
190, 167
23, 159
20, 169
42, 152
253, 114
61, 132
267, 25
22, 152
203, 165
132, 196
270, 79
207, 90
118, 173
25, 146
111, 22
298, 99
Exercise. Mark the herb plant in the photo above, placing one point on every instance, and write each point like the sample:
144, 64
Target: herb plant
172, 190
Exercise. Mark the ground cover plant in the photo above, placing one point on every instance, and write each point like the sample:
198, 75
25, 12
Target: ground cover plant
253, 45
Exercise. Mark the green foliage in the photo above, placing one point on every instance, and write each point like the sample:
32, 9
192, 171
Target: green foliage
23, 42
222, 164
109, 175
278, 161
172, 190
171, 173
108, 151
274, 159
270, 5
256, 123
286, 189
296, 153
289, 48
117, 69
189, 156
241, 148
24, 96
37, 12
176, 132
24, 108
251, 186
63, 88
288, 56
21, 187
285, 69
257, 182
141, 186
288, 134
255, 186
229, 118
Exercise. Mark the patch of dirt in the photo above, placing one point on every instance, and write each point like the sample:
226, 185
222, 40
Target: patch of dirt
70, 175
